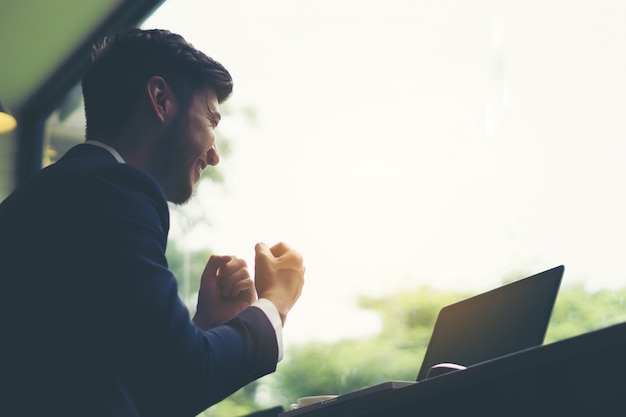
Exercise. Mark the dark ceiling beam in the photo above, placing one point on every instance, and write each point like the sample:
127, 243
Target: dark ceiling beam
33, 114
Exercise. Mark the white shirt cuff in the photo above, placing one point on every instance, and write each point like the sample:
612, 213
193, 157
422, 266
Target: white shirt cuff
271, 312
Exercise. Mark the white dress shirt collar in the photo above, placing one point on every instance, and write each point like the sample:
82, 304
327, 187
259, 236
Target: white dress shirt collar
112, 151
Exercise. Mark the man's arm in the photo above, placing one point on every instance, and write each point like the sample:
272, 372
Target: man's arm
145, 331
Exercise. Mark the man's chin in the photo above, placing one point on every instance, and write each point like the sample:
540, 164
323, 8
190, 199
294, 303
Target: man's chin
181, 196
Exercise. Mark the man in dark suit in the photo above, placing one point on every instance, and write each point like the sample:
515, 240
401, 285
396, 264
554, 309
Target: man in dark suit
90, 319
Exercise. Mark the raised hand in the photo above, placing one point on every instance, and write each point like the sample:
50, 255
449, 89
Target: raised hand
226, 289
279, 276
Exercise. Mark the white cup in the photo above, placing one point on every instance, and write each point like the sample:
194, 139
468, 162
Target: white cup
304, 401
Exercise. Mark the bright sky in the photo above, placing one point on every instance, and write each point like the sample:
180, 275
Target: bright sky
401, 143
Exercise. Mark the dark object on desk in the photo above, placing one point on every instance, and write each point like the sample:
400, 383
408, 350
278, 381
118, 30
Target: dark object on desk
270, 412
499, 322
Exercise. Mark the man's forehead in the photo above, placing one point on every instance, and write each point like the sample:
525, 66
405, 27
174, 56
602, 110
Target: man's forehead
210, 104
208, 98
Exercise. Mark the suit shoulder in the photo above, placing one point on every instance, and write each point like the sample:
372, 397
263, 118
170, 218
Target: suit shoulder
90, 181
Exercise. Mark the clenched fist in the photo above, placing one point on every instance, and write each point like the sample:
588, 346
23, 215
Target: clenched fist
225, 290
279, 276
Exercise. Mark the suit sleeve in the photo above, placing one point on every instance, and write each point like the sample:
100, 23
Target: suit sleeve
140, 323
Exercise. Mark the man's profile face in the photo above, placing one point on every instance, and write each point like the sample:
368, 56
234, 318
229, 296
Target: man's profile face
191, 146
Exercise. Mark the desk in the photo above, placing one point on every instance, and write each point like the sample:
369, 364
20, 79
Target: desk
581, 376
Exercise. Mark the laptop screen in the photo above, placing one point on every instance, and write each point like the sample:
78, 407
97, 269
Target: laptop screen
496, 323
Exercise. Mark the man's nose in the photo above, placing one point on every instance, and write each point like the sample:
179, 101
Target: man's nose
213, 157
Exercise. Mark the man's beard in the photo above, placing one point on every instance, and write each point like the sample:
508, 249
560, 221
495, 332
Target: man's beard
175, 175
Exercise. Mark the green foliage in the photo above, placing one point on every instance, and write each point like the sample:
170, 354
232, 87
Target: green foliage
335, 368
578, 311
241, 403
408, 317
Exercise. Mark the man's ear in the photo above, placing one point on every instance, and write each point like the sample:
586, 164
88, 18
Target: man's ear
161, 98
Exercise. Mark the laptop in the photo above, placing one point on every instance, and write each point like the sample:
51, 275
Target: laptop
499, 322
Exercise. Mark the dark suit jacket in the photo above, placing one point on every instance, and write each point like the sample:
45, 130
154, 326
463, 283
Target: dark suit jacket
90, 320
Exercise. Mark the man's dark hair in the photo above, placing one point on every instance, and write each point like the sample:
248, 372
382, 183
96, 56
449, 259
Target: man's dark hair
125, 61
